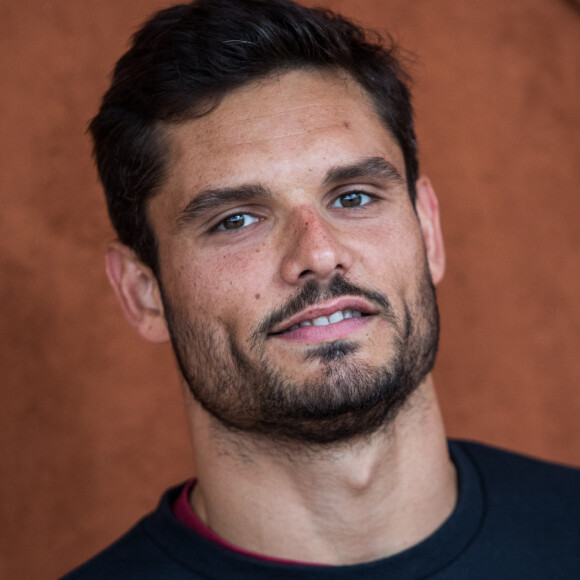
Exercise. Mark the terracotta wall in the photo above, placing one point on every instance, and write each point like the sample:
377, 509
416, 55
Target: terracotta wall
92, 426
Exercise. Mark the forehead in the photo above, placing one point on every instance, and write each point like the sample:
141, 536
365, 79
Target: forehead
287, 129
295, 100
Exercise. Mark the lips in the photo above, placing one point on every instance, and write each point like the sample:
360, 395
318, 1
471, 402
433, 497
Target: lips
335, 317
326, 314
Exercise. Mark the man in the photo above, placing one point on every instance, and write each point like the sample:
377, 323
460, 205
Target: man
259, 162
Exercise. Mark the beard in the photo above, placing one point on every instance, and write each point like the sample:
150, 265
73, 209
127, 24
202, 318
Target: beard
245, 391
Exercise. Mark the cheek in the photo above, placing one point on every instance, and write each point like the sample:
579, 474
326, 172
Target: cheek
392, 256
396, 241
230, 289
241, 274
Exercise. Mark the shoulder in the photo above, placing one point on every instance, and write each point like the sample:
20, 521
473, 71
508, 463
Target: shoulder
530, 526
499, 465
132, 556
138, 554
525, 487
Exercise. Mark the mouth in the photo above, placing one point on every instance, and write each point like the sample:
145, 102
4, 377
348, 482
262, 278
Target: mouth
337, 312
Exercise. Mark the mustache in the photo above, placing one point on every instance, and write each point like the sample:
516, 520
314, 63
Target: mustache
313, 292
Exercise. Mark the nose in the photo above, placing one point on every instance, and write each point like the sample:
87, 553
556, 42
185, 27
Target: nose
314, 249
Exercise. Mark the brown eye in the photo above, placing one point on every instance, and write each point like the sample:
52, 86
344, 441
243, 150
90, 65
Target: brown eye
352, 199
237, 221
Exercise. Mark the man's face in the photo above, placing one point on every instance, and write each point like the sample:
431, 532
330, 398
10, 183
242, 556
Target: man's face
295, 283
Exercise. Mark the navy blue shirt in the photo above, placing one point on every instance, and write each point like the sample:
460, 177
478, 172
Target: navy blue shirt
516, 518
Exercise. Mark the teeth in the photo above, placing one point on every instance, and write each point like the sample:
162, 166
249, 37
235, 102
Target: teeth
336, 317
326, 320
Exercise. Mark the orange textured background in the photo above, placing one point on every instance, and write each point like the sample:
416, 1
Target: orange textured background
91, 419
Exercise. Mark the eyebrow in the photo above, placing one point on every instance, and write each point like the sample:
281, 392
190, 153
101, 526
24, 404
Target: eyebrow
376, 167
208, 200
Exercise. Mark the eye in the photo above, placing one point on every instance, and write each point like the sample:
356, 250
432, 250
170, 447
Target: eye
237, 221
352, 199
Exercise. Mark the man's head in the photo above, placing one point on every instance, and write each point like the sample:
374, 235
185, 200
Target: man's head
294, 269
187, 58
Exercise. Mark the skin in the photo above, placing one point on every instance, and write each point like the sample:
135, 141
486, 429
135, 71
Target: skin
354, 501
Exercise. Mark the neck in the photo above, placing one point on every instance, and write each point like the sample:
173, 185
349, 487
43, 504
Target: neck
342, 505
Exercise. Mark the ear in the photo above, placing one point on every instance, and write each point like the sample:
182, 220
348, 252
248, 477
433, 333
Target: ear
138, 292
427, 208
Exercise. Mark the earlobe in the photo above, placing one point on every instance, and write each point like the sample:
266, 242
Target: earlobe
137, 290
427, 208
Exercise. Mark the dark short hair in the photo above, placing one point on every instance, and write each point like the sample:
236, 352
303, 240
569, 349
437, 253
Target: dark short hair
186, 58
